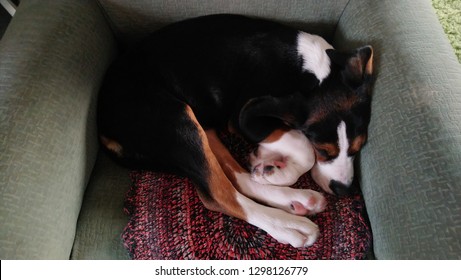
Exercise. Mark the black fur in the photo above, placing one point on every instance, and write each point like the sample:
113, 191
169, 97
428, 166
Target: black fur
227, 68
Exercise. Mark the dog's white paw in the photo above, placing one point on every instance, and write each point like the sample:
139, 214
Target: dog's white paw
306, 202
296, 201
286, 228
274, 169
283, 161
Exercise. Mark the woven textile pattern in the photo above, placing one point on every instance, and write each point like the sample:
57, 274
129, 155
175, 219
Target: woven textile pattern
168, 221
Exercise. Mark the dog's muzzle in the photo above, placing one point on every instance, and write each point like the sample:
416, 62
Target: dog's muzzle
341, 189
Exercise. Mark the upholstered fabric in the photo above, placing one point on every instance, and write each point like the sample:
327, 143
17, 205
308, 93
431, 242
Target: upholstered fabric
102, 219
52, 59
134, 19
54, 55
411, 175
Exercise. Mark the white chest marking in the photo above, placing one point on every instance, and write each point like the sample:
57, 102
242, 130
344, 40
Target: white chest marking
315, 59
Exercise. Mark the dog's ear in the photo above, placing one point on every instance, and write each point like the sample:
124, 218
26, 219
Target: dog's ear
357, 66
261, 115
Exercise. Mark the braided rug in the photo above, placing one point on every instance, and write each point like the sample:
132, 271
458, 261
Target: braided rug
168, 221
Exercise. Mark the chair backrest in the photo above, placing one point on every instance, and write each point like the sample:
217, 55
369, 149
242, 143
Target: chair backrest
134, 19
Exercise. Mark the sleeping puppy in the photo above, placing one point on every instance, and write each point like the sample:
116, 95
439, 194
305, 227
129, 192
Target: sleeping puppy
307, 105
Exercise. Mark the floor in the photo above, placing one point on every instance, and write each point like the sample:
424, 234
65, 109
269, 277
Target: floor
449, 13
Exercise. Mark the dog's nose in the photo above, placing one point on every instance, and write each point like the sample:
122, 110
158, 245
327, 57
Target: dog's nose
341, 189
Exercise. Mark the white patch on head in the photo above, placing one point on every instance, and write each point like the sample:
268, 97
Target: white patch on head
341, 169
315, 60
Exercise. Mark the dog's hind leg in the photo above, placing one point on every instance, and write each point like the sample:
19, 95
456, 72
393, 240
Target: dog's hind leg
282, 225
174, 140
223, 196
295, 201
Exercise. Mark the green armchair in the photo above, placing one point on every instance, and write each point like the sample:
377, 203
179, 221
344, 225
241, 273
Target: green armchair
61, 198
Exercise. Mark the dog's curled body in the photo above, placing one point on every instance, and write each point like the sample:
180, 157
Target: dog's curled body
162, 101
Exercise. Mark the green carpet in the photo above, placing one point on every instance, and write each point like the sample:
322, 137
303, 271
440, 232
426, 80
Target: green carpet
449, 13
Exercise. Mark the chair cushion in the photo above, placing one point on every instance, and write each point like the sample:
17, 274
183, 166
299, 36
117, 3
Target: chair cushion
132, 20
410, 167
52, 60
101, 220
168, 221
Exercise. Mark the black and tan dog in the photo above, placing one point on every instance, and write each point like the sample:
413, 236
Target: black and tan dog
307, 105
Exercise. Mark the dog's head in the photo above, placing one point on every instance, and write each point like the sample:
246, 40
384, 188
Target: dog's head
338, 118
334, 115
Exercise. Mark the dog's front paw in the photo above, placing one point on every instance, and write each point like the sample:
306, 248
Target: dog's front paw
283, 161
274, 170
295, 201
306, 202
290, 229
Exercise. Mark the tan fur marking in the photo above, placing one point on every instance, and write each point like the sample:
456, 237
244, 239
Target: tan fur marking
224, 157
319, 114
346, 104
221, 188
112, 145
369, 66
342, 104
275, 135
331, 149
357, 144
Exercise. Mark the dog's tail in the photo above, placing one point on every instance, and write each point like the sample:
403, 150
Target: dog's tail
124, 156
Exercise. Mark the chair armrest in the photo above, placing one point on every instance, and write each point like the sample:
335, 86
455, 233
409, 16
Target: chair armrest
52, 59
410, 168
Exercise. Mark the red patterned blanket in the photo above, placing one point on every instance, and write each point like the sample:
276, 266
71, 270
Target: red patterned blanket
168, 221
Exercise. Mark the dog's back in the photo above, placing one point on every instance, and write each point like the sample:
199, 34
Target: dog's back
215, 64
